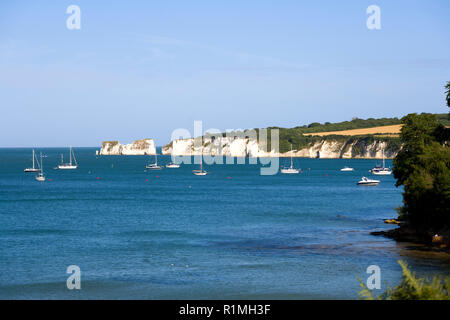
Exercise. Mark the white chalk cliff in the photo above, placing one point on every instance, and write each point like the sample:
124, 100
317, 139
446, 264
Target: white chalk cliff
138, 147
245, 147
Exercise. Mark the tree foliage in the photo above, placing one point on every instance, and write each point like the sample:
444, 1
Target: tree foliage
423, 168
448, 93
412, 288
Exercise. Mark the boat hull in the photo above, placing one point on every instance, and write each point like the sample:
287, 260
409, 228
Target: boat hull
200, 173
31, 170
367, 184
40, 178
382, 173
153, 168
67, 167
289, 171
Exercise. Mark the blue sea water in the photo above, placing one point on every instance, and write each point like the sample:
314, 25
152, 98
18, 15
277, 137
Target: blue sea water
232, 234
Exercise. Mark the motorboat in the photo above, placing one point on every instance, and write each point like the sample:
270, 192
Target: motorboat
172, 165
368, 182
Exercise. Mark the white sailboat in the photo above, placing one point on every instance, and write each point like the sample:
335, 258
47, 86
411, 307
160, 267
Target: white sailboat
33, 168
291, 169
40, 176
200, 172
347, 169
154, 166
70, 165
381, 171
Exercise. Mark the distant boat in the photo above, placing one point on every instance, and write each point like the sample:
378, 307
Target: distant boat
40, 176
70, 165
154, 166
172, 165
381, 171
346, 169
291, 169
200, 172
33, 168
368, 182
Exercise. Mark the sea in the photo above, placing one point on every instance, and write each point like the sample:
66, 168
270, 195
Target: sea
168, 234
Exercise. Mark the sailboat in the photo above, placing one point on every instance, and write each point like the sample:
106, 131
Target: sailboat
34, 168
70, 165
291, 169
40, 176
200, 172
154, 166
381, 171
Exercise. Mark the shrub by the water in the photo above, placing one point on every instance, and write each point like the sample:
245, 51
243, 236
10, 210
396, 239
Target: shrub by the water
412, 288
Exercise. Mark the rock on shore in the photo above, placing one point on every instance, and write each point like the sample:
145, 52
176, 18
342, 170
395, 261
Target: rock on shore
244, 147
138, 147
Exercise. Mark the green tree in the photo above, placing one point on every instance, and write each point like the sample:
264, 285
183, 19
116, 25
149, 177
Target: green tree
423, 168
448, 93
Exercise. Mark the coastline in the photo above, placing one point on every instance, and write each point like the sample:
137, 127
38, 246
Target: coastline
421, 241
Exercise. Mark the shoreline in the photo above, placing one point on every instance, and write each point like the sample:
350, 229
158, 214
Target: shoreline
421, 241
268, 156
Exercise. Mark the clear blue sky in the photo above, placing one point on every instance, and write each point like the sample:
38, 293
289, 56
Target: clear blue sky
139, 69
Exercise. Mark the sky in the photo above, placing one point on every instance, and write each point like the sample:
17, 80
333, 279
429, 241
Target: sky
140, 69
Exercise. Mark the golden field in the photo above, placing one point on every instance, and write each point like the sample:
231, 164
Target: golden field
391, 130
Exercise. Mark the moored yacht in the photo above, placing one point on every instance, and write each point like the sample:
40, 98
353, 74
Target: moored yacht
346, 169
40, 176
69, 165
381, 171
33, 168
200, 172
154, 166
291, 169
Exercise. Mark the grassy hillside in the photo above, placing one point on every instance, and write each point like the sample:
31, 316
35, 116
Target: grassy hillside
299, 140
355, 123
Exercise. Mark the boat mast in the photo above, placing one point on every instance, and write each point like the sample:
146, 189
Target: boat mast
74, 159
70, 155
291, 157
33, 158
383, 158
42, 165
